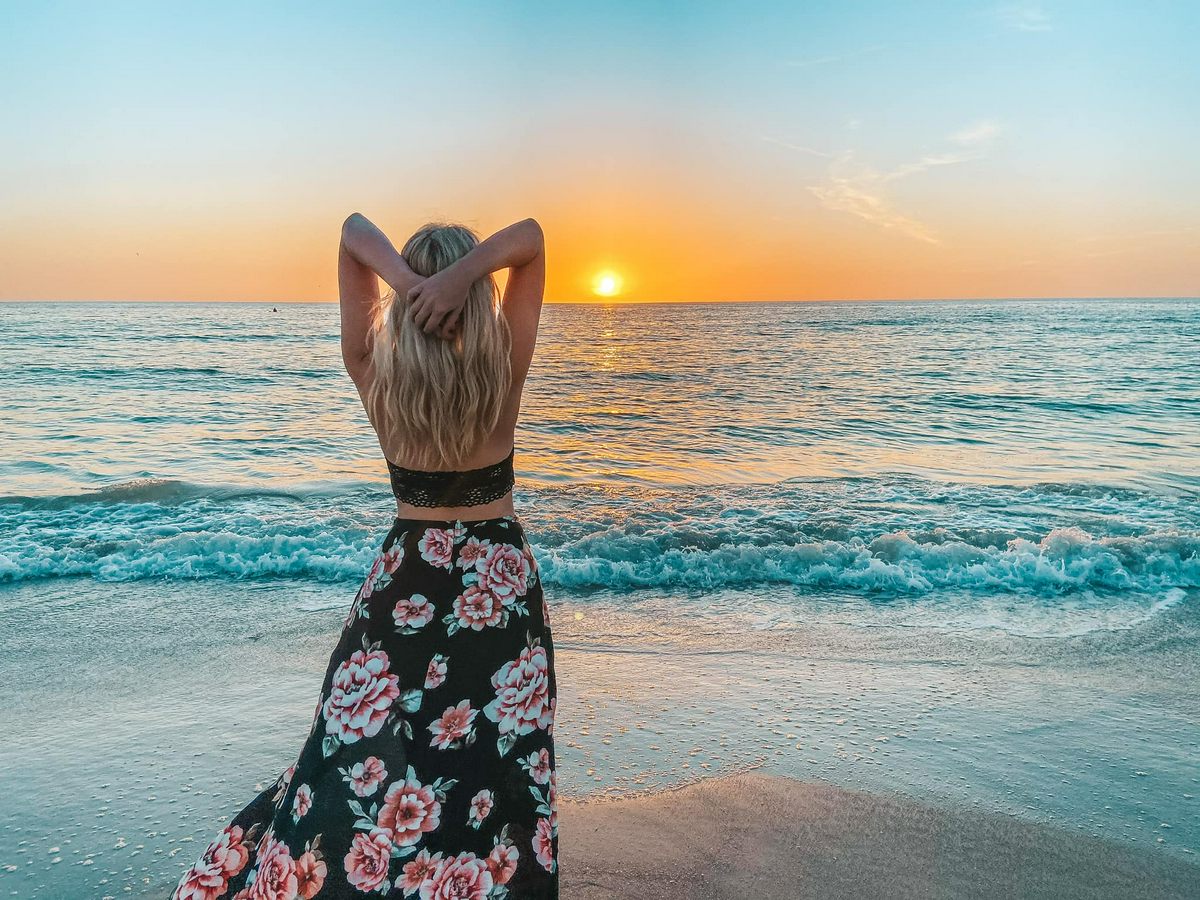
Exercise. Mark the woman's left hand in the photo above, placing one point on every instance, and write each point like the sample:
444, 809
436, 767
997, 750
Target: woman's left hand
438, 301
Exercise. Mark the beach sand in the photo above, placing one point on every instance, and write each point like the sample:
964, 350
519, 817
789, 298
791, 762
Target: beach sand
837, 762
767, 837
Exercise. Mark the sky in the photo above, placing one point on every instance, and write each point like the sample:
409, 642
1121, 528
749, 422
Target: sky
692, 151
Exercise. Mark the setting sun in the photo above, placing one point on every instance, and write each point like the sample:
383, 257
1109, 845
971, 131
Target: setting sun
606, 284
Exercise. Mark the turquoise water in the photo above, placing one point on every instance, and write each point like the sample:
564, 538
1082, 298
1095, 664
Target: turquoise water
945, 549
1043, 456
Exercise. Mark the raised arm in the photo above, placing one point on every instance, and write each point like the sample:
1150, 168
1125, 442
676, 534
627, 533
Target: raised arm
365, 253
523, 303
438, 300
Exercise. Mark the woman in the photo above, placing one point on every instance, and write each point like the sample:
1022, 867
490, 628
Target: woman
429, 769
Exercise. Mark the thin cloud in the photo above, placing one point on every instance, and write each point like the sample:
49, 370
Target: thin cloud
925, 163
800, 148
1024, 17
860, 190
857, 193
979, 133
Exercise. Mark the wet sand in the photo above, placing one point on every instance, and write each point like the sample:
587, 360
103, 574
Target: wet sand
879, 765
767, 837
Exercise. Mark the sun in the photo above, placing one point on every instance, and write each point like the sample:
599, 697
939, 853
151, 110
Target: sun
607, 283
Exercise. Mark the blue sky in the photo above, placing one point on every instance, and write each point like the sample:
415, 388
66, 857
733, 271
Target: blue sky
945, 149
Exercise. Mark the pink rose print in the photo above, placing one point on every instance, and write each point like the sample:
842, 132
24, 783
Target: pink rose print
503, 570
412, 614
382, 569
366, 776
363, 691
437, 547
543, 845
208, 878
537, 764
285, 781
303, 802
476, 608
481, 805
455, 725
310, 875
390, 840
522, 703
367, 862
409, 810
462, 877
472, 551
419, 868
275, 876
502, 862
435, 675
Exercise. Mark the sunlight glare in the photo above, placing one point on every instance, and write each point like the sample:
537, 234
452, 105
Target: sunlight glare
606, 284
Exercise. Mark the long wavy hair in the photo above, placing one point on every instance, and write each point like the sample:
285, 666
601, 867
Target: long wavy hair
434, 401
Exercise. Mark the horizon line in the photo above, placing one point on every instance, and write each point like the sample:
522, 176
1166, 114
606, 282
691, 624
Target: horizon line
604, 301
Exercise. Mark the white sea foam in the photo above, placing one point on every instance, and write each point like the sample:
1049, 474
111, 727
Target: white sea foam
849, 535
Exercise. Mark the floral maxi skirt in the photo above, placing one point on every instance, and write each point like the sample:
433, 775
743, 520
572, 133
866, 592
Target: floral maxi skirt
429, 769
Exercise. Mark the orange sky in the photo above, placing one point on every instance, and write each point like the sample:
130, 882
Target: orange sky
213, 155
666, 245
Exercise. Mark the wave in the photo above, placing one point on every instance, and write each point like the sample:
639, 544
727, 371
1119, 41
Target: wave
190, 555
858, 535
160, 491
1065, 560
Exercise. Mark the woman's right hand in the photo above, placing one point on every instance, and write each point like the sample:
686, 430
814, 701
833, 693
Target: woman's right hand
438, 301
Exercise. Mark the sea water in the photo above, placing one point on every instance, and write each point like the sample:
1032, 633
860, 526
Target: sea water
947, 548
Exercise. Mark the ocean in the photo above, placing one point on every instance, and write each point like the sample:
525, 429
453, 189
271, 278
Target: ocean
950, 549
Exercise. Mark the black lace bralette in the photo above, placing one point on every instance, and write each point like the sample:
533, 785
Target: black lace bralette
472, 487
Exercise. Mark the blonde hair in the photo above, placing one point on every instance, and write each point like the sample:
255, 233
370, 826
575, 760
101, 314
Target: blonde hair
434, 401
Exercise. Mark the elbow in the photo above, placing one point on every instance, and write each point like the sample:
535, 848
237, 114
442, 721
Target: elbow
535, 230
353, 222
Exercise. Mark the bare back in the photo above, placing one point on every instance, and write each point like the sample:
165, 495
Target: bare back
521, 305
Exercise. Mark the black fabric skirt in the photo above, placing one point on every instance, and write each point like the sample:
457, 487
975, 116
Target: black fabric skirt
429, 769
